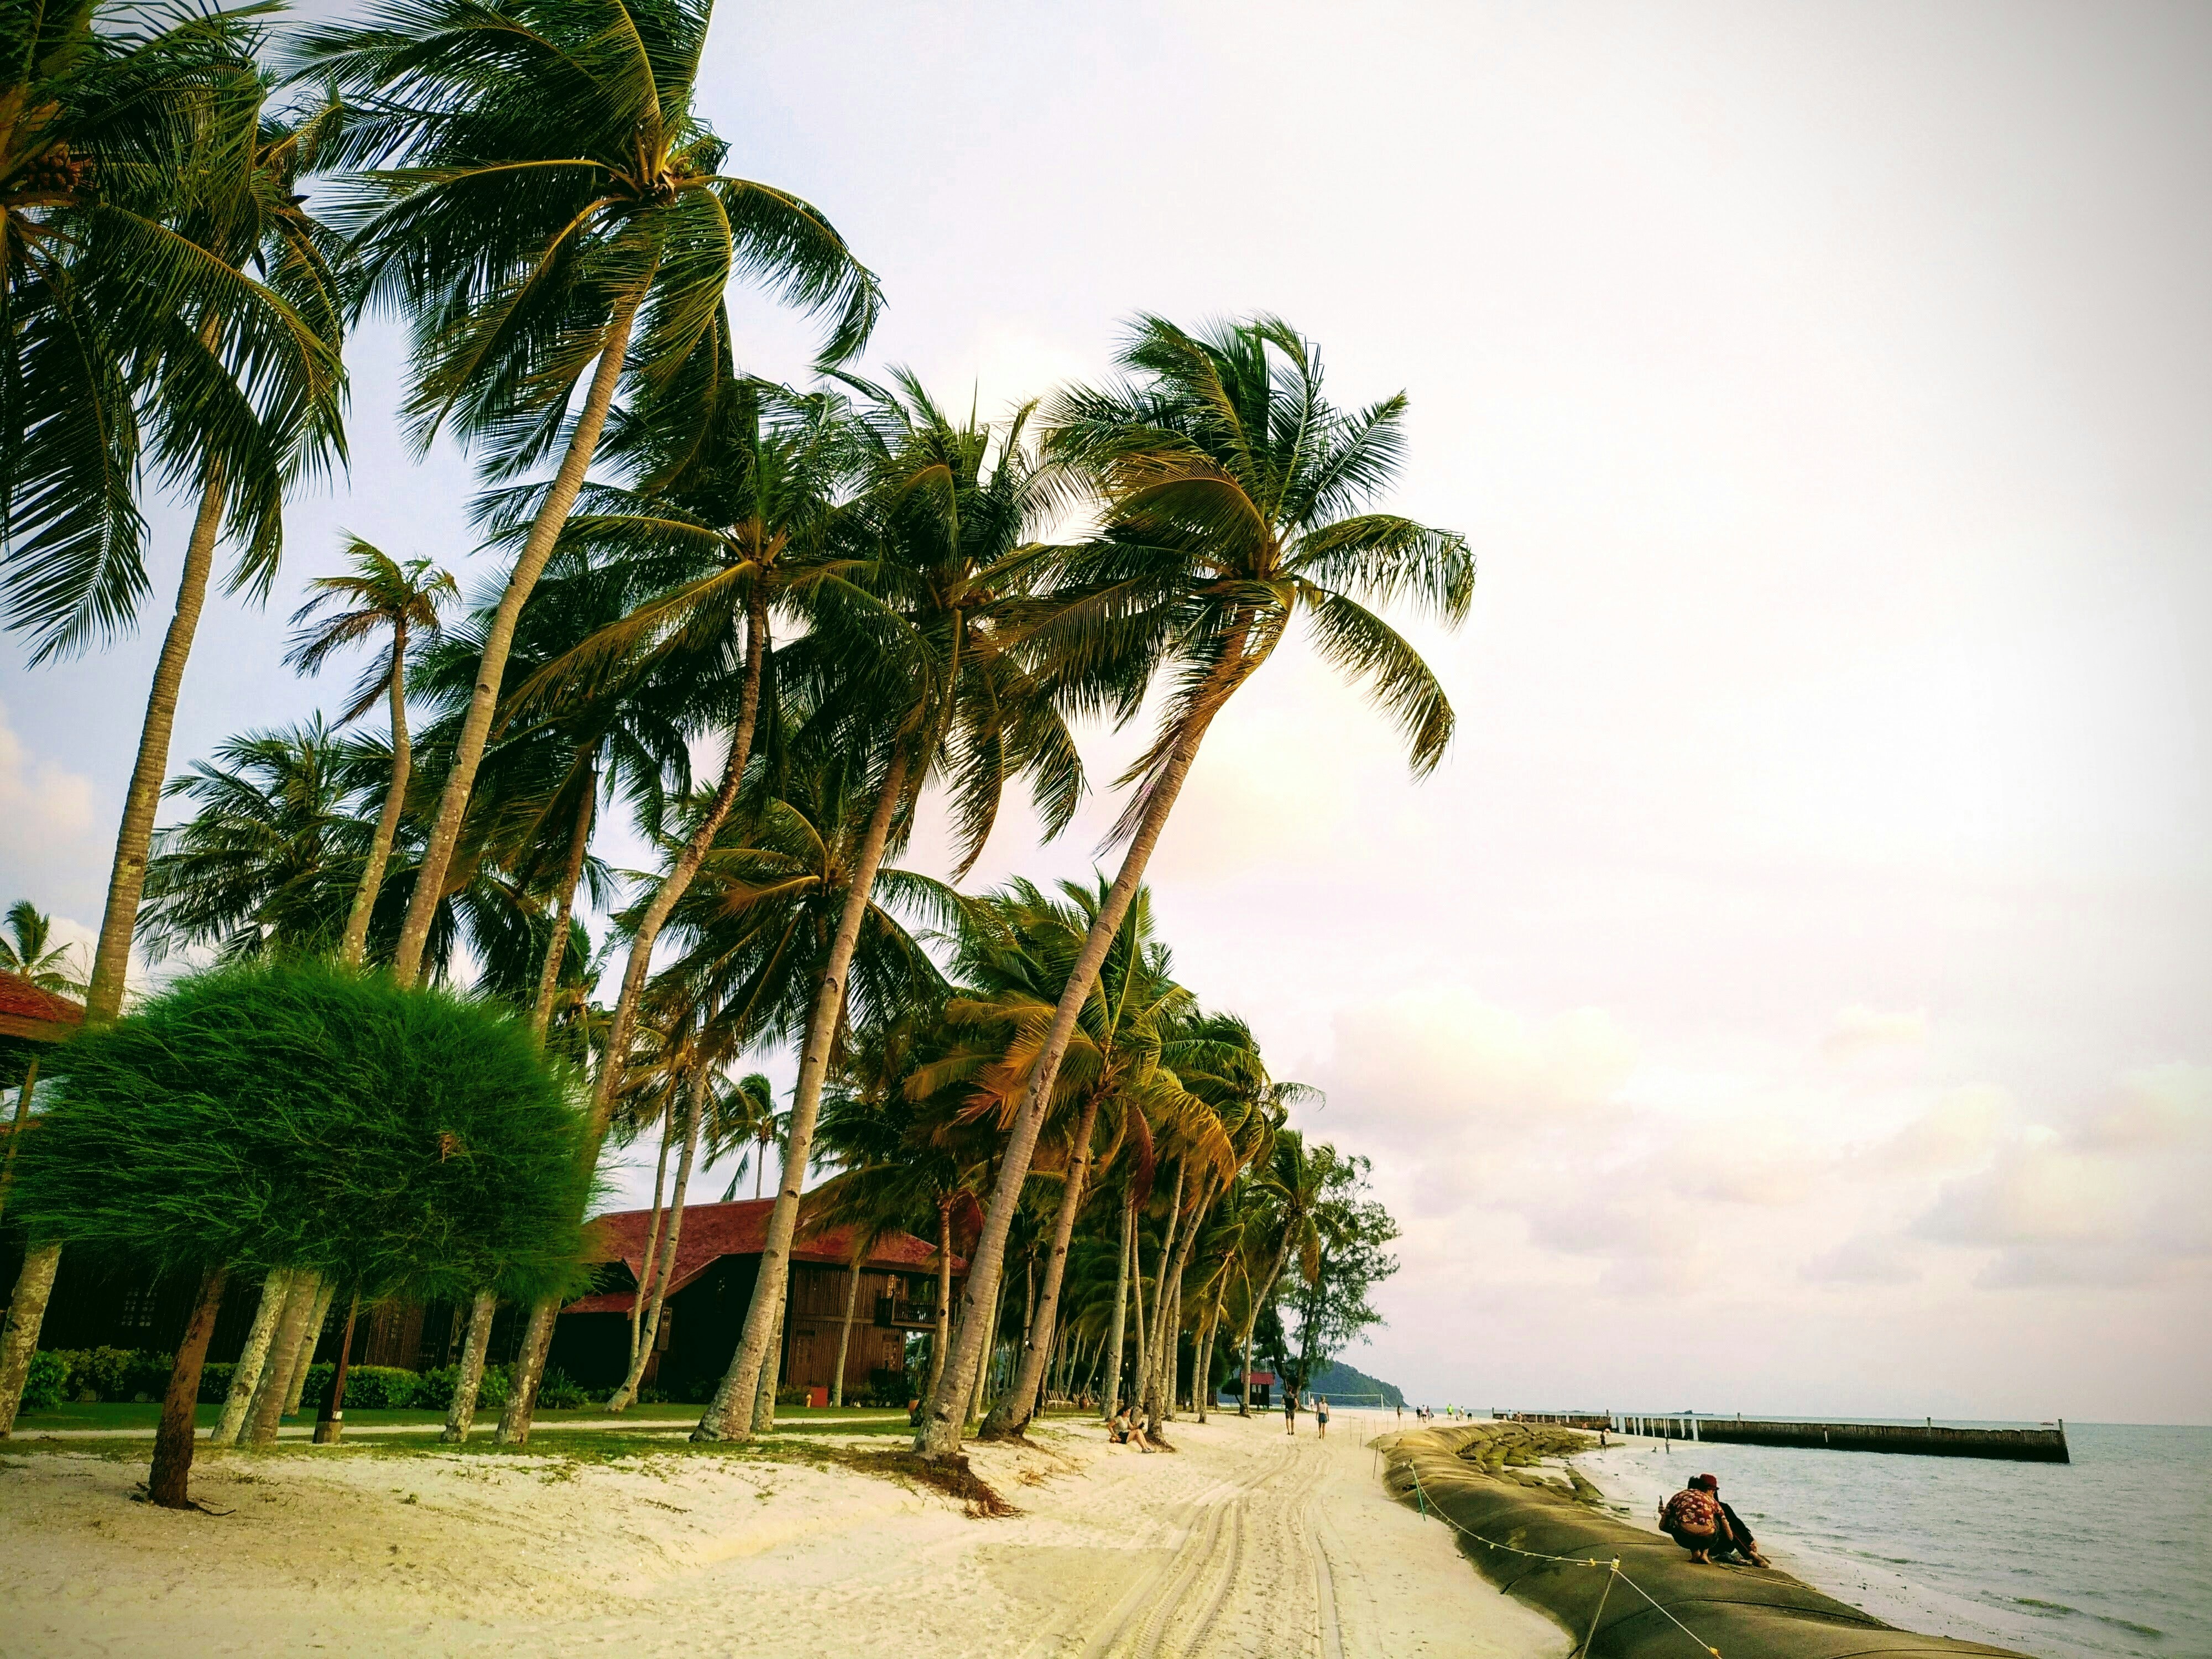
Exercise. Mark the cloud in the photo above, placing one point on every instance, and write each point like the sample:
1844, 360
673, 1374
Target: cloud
46, 812
1859, 1032
1963, 1127
1864, 1259
2037, 1192
2158, 1107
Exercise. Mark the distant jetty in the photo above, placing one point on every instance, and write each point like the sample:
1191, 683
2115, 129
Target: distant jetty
2013, 1445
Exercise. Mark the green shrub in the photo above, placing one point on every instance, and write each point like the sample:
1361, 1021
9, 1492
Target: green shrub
49, 1377
369, 1387
214, 1383
434, 1390
558, 1391
298, 1116
796, 1394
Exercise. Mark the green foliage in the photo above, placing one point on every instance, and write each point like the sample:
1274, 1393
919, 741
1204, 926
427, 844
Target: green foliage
46, 1383
558, 1391
103, 1373
434, 1390
369, 1387
404, 1141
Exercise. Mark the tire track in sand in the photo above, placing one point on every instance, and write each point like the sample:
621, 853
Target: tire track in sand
1141, 1622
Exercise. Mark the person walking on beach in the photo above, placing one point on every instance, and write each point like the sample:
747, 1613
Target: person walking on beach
1321, 1414
1290, 1411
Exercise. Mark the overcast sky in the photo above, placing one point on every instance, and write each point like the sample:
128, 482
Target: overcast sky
1792, 994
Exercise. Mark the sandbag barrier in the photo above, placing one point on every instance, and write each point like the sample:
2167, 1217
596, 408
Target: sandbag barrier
1623, 1592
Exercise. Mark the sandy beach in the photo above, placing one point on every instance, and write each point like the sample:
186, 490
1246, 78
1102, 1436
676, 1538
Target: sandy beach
1241, 1542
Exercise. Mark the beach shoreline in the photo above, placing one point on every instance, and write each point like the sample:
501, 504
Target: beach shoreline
1243, 1541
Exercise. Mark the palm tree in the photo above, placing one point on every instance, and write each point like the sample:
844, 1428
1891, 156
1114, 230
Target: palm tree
28, 950
103, 126
543, 199
914, 671
1231, 490
270, 855
1293, 1184
379, 593
740, 515
750, 1122
1018, 948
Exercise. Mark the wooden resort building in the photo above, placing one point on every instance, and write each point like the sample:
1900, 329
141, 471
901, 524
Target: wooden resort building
717, 1263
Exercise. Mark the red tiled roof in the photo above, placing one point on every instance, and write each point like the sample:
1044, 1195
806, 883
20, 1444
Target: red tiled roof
1263, 1379
27, 1011
712, 1231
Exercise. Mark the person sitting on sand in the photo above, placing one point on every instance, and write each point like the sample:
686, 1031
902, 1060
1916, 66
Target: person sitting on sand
1127, 1429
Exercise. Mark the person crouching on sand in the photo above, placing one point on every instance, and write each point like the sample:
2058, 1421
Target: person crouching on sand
1695, 1519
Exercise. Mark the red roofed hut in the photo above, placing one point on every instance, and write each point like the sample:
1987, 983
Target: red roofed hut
36, 1015
716, 1265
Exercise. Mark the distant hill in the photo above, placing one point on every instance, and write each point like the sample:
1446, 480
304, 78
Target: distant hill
1338, 1380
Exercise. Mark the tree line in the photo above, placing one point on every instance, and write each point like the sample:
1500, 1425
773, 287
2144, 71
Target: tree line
855, 599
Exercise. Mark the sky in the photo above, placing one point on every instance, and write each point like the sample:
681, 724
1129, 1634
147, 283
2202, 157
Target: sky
1792, 994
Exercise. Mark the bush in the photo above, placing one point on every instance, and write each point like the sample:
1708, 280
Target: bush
49, 1377
434, 1389
91, 1374
557, 1391
214, 1383
369, 1387
300, 1115
888, 1387
796, 1394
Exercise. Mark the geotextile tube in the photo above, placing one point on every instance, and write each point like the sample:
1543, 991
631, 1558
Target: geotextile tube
1557, 1552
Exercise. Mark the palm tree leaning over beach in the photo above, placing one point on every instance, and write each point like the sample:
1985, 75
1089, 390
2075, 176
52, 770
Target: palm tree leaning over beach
908, 666
379, 593
543, 199
739, 517
216, 306
1233, 493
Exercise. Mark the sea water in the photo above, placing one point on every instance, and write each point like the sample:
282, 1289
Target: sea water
2109, 1557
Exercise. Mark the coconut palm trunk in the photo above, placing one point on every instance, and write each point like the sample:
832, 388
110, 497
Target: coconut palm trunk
253, 1359
1252, 1319
167, 1482
1019, 1406
678, 881
354, 945
304, 1356
845, 1334
529, 1368
1109, 1389
1136, 1321
15, 1129
461, 1412
292, 1353
1147, 1387
940, 1433
27, 1312
126, 884
530, 1364
499, 640
572, 871
652, 1241
939, 1338
742, 1379
627, 1393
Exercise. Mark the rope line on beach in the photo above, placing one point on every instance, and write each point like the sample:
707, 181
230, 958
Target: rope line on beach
1612, 1567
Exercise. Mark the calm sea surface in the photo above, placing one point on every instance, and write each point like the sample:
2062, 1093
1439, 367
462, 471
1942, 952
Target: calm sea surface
2109, 1557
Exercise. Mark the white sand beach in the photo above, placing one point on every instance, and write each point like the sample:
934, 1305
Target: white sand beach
1241, 1542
